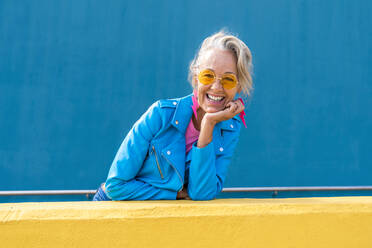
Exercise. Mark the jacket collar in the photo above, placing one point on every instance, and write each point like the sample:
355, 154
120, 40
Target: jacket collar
183, 113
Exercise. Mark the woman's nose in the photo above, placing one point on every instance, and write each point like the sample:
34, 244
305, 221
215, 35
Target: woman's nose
217, 84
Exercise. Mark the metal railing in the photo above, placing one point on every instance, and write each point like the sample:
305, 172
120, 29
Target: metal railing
316, 188
274, 190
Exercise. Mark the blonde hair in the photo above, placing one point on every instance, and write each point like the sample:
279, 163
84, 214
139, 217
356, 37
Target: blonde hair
226, 41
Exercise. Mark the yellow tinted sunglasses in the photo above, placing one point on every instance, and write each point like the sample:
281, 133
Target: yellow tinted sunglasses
228, 80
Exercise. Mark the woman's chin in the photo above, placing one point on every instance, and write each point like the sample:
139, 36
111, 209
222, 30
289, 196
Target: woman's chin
213, 109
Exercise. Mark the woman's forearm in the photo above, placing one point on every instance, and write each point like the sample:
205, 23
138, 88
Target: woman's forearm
206, 132
134, 189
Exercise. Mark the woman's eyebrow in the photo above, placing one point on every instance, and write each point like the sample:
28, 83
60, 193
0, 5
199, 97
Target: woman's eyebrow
227, 72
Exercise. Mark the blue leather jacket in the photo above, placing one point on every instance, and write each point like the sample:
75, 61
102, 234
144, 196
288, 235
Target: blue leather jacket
151, 161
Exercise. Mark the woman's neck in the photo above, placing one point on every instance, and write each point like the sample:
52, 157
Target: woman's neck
197, 121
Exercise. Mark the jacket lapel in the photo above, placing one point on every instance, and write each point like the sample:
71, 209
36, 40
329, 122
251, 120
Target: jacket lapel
182, 114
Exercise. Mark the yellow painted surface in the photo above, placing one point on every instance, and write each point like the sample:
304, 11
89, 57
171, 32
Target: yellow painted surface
307, 222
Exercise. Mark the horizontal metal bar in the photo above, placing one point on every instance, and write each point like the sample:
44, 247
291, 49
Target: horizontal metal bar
47, 192
277, 189
237, 189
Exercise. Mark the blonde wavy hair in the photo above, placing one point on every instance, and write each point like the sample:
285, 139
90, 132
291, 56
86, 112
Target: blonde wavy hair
226, 41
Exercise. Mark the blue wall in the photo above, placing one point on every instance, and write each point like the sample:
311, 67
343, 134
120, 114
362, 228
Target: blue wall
75, 75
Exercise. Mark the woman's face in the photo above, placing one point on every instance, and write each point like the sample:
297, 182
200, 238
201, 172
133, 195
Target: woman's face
219, 61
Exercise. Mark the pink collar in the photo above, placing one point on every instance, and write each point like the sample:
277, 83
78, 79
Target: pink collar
195, 104
242, 114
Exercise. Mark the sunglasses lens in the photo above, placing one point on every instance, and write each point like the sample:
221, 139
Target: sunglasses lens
229, 81
206, 77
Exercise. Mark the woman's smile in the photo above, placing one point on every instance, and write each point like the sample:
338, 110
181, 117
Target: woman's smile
216, 100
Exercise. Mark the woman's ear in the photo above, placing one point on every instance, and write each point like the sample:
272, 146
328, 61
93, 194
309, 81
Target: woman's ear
195, 82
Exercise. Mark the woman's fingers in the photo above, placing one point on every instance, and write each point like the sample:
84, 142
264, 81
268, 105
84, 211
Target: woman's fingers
232, 106
240, 107
235, 107
229, 106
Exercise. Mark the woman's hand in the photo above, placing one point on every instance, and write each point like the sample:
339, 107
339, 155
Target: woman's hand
211, 119
182, 195
232, 108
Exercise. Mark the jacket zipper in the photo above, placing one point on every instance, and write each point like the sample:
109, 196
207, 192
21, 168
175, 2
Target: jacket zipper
157, 163
176, 172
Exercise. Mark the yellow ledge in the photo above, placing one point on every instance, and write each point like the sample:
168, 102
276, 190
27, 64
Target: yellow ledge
266, 223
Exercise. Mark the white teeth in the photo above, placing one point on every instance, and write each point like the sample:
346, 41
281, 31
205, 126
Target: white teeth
215, 98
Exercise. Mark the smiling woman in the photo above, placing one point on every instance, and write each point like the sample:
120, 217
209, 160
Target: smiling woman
181, 148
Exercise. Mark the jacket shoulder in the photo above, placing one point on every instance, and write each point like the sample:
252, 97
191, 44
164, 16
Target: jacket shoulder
165, 108
233, 124
169, 103
236, 119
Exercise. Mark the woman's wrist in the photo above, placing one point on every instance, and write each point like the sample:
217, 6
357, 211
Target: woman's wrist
206, 132
208, 121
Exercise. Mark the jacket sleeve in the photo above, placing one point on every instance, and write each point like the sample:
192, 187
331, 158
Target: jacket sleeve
207, 170
121, 183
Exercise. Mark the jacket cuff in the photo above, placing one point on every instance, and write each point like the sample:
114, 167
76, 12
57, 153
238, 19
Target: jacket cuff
203, 153
165, 194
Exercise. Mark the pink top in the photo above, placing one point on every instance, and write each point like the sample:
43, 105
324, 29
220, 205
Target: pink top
191, 136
